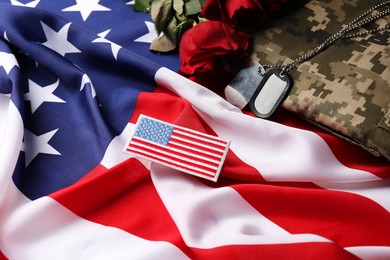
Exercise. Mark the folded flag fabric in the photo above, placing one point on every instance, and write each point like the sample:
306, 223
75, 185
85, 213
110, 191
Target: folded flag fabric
75, 76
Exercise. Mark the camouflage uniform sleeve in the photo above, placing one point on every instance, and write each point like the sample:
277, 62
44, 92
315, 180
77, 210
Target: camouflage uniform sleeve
346, 87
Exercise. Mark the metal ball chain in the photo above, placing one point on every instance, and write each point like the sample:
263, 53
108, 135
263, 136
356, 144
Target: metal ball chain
363, 19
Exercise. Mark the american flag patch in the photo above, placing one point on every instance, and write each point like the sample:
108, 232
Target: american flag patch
181, 148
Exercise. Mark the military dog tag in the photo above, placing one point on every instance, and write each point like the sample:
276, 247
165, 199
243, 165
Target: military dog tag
240, 90
270, 93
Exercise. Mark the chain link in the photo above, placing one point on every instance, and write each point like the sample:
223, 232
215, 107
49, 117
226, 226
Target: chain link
345, 33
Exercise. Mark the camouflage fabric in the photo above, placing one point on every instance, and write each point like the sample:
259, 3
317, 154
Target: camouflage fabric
346, 87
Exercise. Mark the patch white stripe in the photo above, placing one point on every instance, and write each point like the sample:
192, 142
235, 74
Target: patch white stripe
197, 133
204, 139
198, 144
195, 149
175, 162
164, 147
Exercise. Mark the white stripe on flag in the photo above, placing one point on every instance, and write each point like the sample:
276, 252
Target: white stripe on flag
114, 154
370, 252
11, 136
44, 229
217, 216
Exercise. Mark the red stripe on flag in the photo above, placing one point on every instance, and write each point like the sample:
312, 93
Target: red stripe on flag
2, 256
123, 197
344, 218
309, 250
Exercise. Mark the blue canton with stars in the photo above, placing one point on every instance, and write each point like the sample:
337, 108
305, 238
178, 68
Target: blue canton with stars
74, 72
154, 131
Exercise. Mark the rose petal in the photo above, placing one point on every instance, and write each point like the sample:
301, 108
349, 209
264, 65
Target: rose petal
207, 46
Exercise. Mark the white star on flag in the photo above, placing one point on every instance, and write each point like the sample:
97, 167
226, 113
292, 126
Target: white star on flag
38, 94
131, 2
8, 61
86, 7
58, 41
150, 36
114, 47
31, 4
36, 144
85, 80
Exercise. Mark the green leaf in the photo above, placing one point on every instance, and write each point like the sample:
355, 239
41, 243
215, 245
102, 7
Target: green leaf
192, 7
202, 2
171, 28
163, 44
167, 41
161, 12
142, 6
178, 6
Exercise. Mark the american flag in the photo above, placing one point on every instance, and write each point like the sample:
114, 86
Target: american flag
75, 76
178, 147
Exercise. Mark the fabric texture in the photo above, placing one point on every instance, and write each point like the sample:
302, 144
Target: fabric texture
346, 87
75, 76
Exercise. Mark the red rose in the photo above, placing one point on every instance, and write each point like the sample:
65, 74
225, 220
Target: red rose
239, 14
209, 46
246, 14
275, 6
